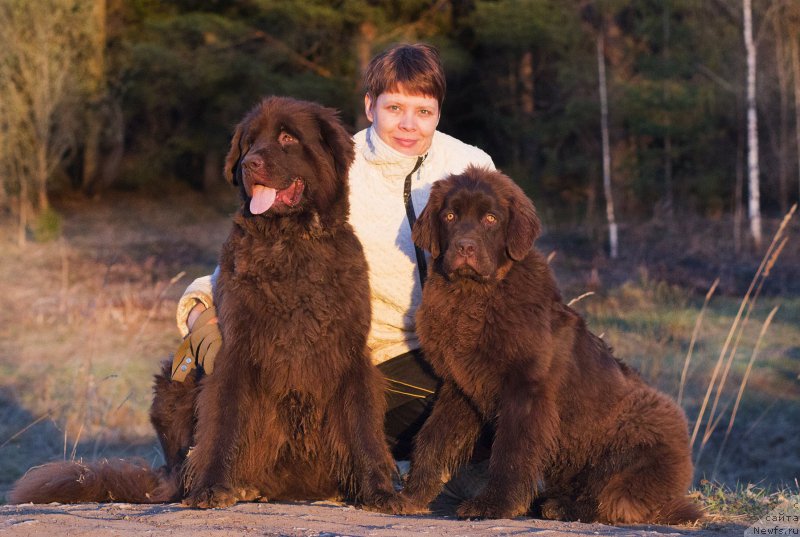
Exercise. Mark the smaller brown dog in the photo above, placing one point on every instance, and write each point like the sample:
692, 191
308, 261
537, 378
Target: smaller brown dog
567, 414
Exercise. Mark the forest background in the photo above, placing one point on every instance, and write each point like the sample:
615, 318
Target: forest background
115, 116
130, 94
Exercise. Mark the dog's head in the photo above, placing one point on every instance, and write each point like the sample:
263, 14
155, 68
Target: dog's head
290, 157
476, 224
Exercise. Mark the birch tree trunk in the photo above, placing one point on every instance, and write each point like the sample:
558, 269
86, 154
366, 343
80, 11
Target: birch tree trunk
754, 202
601, 72
738, 211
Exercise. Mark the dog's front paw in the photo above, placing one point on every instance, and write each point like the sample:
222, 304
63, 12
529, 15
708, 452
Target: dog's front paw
553, 509
249, 494
215, 497
483, 507
393, 504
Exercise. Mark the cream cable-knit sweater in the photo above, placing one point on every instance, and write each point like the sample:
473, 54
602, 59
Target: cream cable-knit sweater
378, 215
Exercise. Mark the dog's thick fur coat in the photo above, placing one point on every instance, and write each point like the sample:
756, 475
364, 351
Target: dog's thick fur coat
576, 430
294, 408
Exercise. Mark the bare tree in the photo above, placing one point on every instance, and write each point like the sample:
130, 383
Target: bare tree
13, 166
364, 41
754, 204
40, 57
96, 88
601, 71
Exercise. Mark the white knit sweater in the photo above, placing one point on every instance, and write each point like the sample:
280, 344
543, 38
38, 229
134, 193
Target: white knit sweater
378, 215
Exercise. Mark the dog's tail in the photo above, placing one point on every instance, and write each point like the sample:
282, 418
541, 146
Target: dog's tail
681, 510
101, 481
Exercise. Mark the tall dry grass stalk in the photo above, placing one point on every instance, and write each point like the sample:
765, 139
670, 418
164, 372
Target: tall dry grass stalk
742, 385
22, 431
694, 339
579, 298
735, 348
767, 262
75, 443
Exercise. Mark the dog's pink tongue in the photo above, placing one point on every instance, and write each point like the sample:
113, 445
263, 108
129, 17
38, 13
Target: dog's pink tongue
262, 200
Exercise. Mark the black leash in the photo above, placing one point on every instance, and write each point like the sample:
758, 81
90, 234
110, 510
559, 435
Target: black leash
422, 266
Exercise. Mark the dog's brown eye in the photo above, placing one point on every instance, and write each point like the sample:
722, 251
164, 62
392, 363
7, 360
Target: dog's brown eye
490, 219
286, 138
449, 216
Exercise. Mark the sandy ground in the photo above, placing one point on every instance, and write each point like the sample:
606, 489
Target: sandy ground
314, 519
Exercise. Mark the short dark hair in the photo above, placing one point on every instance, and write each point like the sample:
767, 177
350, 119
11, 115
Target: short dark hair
416, 67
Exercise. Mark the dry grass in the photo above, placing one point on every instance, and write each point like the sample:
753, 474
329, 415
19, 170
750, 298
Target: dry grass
654, 336
742, 504
650, 327
87, 319
731, 358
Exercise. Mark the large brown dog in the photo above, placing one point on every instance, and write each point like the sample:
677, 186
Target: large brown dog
575, 429
294, 407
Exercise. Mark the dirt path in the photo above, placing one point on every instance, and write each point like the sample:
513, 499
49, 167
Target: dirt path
317, 519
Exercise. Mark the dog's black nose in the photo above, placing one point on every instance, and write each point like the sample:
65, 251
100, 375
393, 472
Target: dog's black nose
466, 247
252, 162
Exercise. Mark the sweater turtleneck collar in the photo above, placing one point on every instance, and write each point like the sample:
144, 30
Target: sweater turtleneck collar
394, 163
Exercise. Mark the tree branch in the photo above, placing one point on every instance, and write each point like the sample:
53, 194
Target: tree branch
259, 35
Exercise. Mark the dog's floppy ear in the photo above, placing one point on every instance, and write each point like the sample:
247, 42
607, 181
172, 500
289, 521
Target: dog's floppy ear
523, 225
336, 138
231, 170
426, 229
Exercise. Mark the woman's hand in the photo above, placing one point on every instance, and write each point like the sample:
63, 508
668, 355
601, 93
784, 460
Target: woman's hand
200, 346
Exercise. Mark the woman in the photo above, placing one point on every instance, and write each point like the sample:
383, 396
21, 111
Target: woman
397, 159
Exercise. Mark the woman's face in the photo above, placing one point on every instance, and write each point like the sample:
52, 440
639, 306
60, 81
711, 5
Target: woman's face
404, 122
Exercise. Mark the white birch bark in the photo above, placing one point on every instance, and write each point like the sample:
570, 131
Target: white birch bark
754, 201
612, 223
